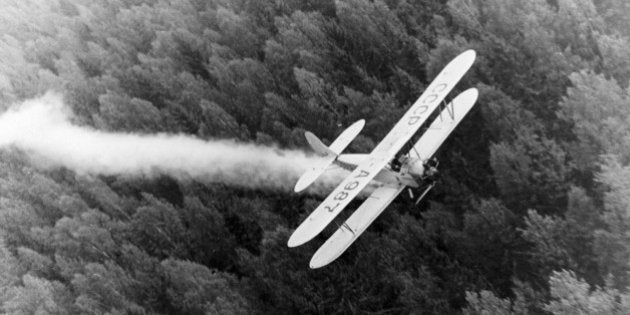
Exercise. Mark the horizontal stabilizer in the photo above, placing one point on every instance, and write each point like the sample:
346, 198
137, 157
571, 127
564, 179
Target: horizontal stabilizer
311, 175
346, 137
330, 153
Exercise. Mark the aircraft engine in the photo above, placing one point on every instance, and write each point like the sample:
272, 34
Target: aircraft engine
416, 168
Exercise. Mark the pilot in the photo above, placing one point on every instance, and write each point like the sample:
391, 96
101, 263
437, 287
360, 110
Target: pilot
396, 164
430, 170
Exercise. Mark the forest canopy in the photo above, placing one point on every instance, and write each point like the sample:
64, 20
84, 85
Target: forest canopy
531, 215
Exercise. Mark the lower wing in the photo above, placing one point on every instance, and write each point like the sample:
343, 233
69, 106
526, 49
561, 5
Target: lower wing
355, 225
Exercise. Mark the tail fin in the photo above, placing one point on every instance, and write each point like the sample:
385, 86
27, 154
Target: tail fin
329, 152
339, 144
317, 145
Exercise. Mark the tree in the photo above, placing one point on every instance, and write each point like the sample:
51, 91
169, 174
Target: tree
88, 236
571, 295
105, 288
10, 272
611, 242
489, 243
38, 296
596, 107
124, 114
566, 242
158, 228
195, 289
530, 172
486, 303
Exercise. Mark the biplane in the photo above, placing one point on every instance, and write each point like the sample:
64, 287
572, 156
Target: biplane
404, 158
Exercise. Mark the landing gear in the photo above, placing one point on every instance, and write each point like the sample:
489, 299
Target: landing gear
425, 192
428, 178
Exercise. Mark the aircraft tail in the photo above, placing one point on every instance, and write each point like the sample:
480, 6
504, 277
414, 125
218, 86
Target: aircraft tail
330, 153
317, 145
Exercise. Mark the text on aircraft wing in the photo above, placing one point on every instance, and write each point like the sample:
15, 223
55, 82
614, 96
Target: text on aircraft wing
374, 205
384, 151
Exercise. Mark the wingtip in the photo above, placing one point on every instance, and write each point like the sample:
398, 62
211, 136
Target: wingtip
312, 266
301, 184
308, 178
300, 236
360, 122
470, 55
294, 241
316, 263
475, 93
463, 61
472, 93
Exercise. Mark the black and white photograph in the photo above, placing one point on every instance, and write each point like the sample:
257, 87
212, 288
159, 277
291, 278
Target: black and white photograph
315, 157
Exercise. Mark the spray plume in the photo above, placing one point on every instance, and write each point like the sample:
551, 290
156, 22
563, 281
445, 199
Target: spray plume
41, 128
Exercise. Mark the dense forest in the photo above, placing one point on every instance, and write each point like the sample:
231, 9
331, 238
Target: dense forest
531, 214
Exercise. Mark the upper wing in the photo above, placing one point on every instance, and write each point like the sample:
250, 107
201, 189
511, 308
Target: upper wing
384, 151
369, 210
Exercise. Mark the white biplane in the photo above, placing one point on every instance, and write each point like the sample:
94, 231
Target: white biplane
395, 163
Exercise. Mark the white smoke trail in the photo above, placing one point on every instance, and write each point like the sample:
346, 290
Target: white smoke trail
41, 128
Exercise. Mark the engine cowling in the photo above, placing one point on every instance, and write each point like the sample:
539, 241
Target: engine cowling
415, 168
